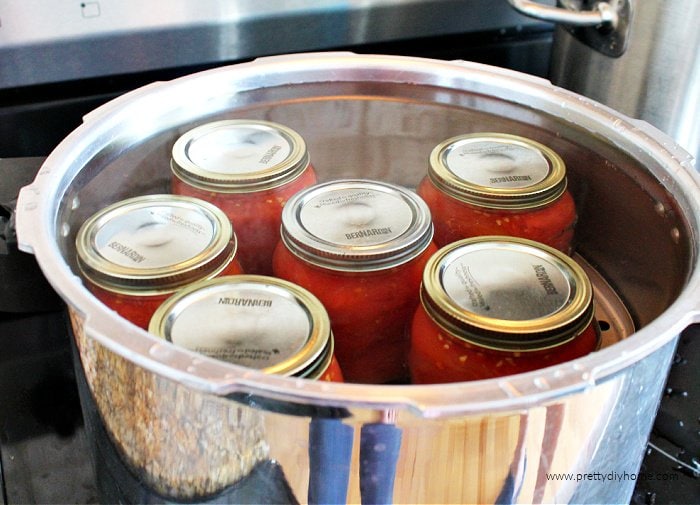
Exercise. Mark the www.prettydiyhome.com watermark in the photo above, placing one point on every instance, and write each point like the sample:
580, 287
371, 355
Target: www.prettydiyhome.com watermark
612, 476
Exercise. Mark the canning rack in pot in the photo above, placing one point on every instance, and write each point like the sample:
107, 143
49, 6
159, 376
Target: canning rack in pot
379, 117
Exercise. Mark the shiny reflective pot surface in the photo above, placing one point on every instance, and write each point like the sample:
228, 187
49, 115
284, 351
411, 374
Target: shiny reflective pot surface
191, 426
654, 74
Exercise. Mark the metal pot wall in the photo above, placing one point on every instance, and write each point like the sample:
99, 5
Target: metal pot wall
638, 56
190, 426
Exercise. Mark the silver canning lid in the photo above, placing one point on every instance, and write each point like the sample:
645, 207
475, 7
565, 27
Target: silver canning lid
356, 224
239, 155
498, 170
507, 293
155, 243
250, 320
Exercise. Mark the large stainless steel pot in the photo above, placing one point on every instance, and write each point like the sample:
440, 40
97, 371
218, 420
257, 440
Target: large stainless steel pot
638, 56
189, 426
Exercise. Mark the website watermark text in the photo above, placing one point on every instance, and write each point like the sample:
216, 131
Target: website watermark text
612, 476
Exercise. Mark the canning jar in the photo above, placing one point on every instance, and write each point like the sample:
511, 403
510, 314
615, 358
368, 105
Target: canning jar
249, 169
360, 246
494, 306
499, 184
255, 321
135, 253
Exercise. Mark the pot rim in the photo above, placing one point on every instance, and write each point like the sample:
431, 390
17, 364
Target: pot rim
39, 203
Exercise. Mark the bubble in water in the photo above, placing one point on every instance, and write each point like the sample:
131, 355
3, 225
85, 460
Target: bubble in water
541, 383
675, 235
160, 352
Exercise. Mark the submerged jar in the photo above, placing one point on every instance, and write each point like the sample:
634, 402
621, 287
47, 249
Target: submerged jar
135, 253
499, 184
255, 321
360, 246
494, 306
249, 169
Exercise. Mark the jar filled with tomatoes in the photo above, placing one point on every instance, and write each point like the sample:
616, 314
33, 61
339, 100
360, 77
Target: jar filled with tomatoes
494, 306
249, 169
499, 184
360, 246
255, 321
135, 253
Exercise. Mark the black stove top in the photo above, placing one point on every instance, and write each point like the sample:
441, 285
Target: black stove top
47, 457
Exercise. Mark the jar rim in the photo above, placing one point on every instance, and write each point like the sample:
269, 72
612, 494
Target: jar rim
503, 191
248, 176
356, 225
571, 313
313, 355
218, 248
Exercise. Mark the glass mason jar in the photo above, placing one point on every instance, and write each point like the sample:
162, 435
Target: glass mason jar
255, 321
249, 169
494, 306
135, 253
360, 246
498, 184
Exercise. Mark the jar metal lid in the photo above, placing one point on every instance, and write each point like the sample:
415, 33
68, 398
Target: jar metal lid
154, 244
356, 225
255, 321
498, 170
239, 156
507, 293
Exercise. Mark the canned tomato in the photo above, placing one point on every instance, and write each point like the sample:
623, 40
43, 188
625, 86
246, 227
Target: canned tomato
360, 246
254, 321
249, 169
494, 306
135, 253
499, 184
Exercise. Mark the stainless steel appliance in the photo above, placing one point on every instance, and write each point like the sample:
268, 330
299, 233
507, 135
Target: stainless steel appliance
51, 74
639, 57
59, 60
191, 427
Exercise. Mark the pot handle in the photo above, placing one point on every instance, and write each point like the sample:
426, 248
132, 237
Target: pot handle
27, 205
604, 14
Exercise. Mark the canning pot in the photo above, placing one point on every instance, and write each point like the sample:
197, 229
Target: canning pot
639, 57
191, 427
